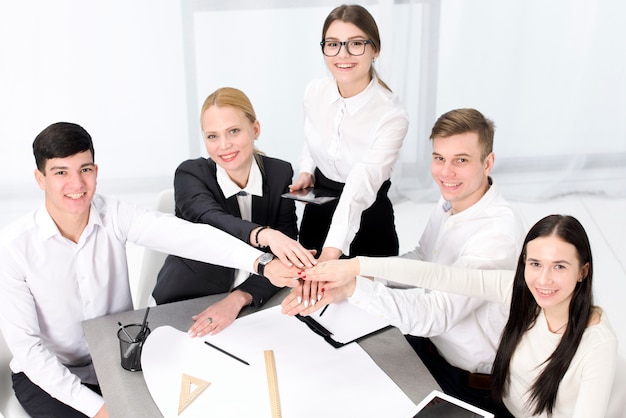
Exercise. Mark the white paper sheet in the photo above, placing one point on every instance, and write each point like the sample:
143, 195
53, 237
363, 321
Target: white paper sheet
314, 379
348, 322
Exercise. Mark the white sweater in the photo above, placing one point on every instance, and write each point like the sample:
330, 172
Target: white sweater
586, 386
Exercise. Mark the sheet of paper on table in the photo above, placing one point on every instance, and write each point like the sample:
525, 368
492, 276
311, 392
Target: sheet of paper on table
314, 379
348, 322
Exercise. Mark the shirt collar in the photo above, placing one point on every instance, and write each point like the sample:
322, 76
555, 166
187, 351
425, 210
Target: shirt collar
48, 228
354, 103
477, 207
230, 188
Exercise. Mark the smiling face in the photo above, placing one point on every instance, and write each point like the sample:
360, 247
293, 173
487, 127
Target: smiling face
459, 170
351, 72
552, 271
69, 184
229, 139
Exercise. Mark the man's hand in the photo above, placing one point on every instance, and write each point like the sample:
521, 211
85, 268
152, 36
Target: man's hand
279, 274
288, 250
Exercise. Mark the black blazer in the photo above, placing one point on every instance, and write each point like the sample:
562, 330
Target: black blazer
199, 199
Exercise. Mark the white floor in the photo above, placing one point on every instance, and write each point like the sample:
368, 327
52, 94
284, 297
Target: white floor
603, 219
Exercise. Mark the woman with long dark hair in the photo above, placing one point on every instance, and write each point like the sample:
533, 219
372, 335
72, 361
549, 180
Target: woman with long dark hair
558, 352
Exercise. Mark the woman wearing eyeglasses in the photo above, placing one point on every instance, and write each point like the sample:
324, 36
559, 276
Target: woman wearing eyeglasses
354, 128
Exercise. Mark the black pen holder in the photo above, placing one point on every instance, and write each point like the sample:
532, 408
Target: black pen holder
131, 342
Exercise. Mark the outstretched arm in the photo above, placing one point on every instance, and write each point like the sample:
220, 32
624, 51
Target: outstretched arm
491, 285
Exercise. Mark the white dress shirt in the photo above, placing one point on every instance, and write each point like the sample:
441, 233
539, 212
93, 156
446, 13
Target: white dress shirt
49, 284
355, 141
254, 186
465, 330
586, 389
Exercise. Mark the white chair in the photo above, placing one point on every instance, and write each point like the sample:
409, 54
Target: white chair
9, 405
153, 260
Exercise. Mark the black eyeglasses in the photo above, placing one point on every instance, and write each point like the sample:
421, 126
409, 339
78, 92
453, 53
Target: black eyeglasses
354, 47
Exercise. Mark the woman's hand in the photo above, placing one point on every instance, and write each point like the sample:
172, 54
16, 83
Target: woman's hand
329, 253
293, 303
219, 315
288, 250
303, 297
304, 181
334, 273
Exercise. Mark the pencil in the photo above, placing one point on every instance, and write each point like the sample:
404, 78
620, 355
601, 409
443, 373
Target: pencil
324, 310
227, 353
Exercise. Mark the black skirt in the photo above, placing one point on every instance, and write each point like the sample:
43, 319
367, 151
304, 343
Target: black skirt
377, 233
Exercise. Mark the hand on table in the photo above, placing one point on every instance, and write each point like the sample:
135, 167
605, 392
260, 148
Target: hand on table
221, 314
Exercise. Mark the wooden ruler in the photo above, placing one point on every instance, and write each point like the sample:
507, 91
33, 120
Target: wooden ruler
186, 395
272, 383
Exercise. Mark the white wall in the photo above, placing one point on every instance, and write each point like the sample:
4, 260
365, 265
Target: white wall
135, 73
114, 67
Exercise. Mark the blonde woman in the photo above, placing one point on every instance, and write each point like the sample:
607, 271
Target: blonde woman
238, 191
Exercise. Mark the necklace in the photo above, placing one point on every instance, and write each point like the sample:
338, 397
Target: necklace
556, 331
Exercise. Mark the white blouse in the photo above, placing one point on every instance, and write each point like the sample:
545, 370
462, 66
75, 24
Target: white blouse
355, 141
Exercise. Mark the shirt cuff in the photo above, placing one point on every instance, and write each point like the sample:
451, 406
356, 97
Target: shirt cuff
337, 239
307, 166
363, 292
88, 402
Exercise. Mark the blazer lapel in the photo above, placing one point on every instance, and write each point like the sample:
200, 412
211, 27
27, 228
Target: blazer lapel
261, 206
232, 206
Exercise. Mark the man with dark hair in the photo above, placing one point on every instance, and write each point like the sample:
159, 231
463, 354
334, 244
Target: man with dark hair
66, 262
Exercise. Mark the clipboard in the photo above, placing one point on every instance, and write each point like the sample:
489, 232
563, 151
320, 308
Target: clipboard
315, 195
438, 404
343, 323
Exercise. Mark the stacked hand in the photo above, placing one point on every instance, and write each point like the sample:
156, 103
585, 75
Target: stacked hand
288, 250
327, 282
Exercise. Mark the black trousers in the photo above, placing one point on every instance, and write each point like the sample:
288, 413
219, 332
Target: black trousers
39, 404
377, 233
455, 381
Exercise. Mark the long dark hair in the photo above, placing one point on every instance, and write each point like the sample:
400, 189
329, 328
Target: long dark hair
524, 312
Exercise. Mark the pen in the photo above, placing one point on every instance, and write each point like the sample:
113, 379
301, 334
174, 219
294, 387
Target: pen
324, 310
227, 353
142, 331
130, 340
